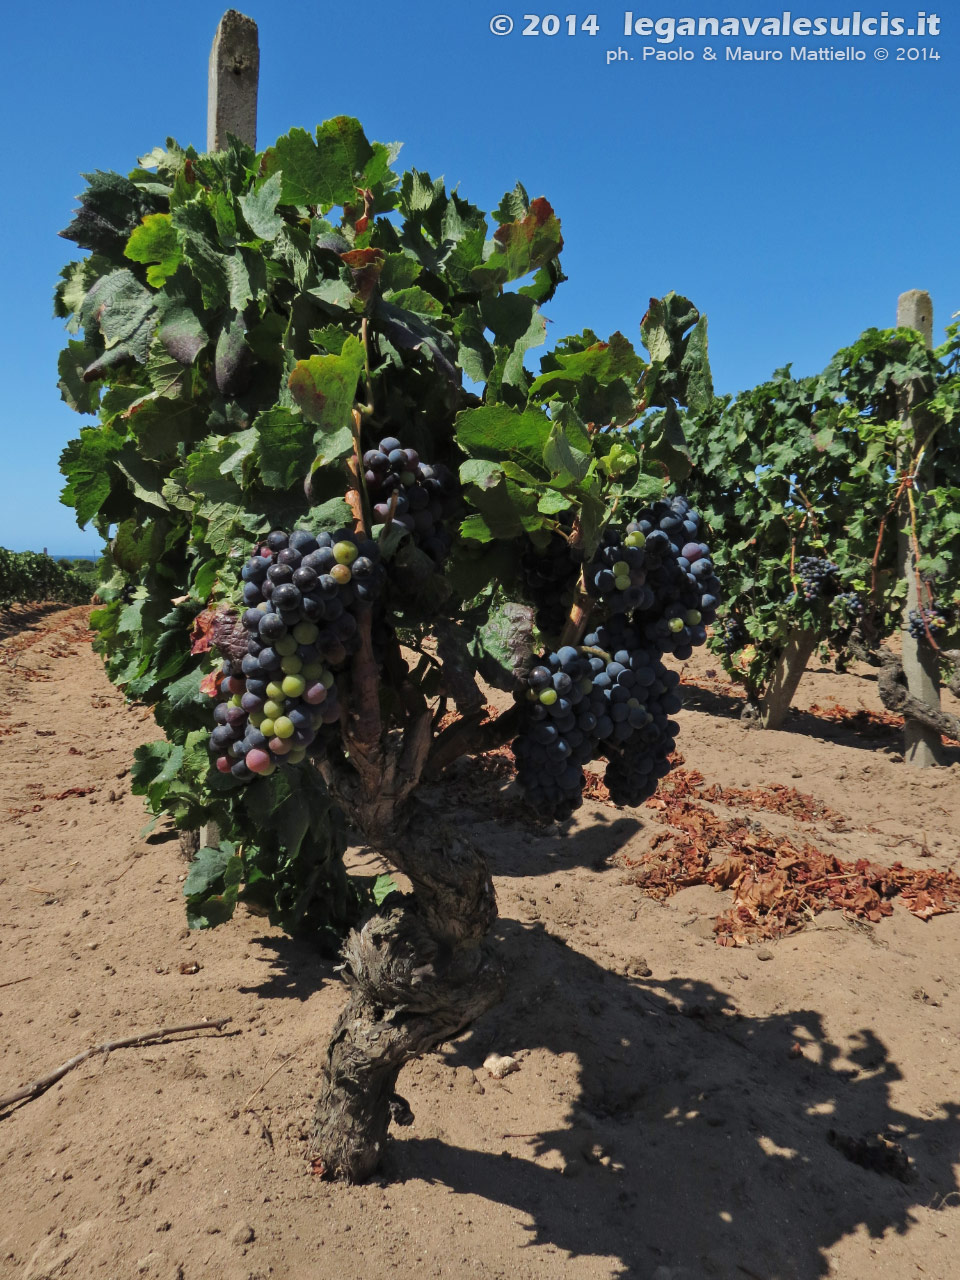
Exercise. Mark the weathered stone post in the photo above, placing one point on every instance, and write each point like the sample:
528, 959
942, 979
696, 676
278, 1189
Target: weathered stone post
233, 78
921, 746
232, 84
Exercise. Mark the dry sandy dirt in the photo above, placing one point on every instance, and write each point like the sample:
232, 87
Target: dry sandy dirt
681, 1109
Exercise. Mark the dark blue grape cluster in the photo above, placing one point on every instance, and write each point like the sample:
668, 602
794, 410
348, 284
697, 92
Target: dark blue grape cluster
303, 594
547, 577
846, 611
935, 618
611, 696
816, 576
658, 569
421, 497
732, 636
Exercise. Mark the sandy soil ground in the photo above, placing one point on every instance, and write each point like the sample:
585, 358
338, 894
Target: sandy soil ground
681, 1109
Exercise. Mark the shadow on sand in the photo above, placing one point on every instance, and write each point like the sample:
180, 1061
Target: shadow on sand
701, 1139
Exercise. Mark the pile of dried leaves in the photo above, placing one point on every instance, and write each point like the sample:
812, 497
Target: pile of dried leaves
778, 886
863, 721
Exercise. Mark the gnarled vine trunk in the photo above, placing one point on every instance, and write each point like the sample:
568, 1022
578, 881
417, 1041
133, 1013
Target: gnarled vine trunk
418, 973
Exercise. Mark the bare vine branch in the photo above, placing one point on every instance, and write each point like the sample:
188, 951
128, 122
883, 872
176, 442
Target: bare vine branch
44, 1082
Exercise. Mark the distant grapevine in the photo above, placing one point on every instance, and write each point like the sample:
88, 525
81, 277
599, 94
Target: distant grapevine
805, 485
28, 576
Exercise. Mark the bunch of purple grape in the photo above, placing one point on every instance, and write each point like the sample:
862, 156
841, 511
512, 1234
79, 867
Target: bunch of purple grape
411, 493
303, 595
655, 570
610, 696
816, 575
548, 575
732, 636
935, 618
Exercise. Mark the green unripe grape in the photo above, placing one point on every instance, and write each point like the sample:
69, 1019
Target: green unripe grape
296, 755
345, 552
341, 572
290, 666
275, 690
548, 697
326, 679
621, 582
633, 703
305, 632
312, 671
294, 685
284, 727
266, 727
285, 646
692, 617
256, 718
271, 768
586, 684
272, 709
621, 569
235, 700
676, 625
634, 539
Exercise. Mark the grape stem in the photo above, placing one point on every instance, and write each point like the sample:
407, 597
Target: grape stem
366, 410
596, 651
579, 616
360, 503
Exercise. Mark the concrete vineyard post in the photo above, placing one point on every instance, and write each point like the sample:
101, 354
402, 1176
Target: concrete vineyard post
234, 74
921, 746
232, 83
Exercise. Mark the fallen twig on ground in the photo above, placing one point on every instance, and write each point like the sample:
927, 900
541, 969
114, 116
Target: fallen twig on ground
44, 1082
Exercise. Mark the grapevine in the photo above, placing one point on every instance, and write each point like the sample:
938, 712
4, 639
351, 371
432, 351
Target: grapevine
27, 577
321, 539
799, 481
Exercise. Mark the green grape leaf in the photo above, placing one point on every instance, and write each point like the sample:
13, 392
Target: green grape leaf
86, 463
155, 242
498, 432
259, 208
326, 172
79, 393
286, 447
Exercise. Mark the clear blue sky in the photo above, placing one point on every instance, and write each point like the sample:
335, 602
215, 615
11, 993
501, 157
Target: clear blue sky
792, 201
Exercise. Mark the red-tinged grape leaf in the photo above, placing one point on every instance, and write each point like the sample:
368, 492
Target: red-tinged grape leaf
325, 389
522, 246
201, 633
229, 634
210, 684
365, 267
503, 646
